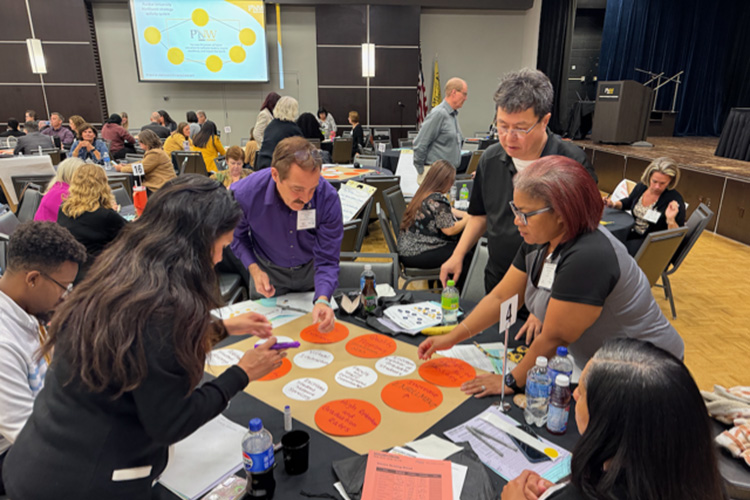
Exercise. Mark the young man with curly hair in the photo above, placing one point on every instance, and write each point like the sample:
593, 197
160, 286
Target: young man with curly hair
43, 260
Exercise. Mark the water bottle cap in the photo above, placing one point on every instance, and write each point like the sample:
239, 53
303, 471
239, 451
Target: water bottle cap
562, 381
541, 361
256, 424
562, 351
451, 283
368, 267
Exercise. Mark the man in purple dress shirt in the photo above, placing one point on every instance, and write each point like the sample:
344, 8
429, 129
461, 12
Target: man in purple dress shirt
290, 234
56, 129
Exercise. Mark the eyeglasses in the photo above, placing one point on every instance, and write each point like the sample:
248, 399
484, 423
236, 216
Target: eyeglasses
524, 216
304, 155
66, 289
518, 132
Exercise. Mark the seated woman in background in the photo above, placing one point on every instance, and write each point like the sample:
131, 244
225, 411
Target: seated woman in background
235, 158
192, 119
157, 166
430, 230
264, 118
208, 143
125, 121
166, 121
121, 142
129, 346
358, 135
632, 395
327, 123
571, 273
76, 122
176, 141
282, 126
654, 202
12, 130
57, 189
88, 212
88, 147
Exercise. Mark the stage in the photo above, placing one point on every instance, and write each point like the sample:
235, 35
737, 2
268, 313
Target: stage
721, 183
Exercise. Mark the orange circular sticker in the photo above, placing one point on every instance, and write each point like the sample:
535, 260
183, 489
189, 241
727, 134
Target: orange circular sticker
373, 345
412, 396
447, 372
279, 372
311, 334
347, 417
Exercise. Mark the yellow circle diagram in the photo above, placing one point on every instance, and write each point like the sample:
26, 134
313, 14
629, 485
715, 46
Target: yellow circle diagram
237, 54
200, 17
175, 56
152, 35
214, 64
247, 36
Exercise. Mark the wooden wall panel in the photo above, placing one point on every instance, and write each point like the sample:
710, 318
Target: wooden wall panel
610, 168
340, 101
340, 66
384, 106
82, 101
14, 21
394, 25
60, 20
697, 187
396, 67
16, 65
734, 221
69, 64
341, 24
15, 100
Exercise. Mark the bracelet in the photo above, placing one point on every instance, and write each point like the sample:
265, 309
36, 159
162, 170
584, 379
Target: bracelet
323, 301
467, 329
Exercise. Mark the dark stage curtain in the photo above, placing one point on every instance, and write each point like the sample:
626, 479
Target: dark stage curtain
705, 39
553, 55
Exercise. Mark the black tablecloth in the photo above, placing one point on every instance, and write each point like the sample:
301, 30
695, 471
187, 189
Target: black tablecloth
389, 160
323, 450
619, 223
735, 137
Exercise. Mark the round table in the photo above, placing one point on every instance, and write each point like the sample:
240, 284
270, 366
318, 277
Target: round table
389, 160
617, 222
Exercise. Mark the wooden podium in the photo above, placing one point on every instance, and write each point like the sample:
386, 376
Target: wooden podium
622, 112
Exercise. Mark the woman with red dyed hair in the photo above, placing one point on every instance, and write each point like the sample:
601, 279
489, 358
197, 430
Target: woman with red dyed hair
570, 272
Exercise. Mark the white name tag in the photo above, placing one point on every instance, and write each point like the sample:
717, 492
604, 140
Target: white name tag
548, 276
652, 216
306, 219
138, 169
130, 474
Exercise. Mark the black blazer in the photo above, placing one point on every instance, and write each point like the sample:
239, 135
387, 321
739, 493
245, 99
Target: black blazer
667, 197
276, 131
358, 139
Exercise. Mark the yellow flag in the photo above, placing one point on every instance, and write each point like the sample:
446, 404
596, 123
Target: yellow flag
436, 94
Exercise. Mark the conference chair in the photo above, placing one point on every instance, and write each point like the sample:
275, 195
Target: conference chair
231, 289
364, 221
382, 134
408, 274
367, 161
346, 133
470, 145
8, 224
8, 142
384, 144
406, 143
353, 263
189, 162
657, 251
121, 197
351, 230
221, 163
473, 289
458, 184
695, 224
314, 142
412, 134
473, 164
342, 150
55, 155
395, 205
30, 199
382, 182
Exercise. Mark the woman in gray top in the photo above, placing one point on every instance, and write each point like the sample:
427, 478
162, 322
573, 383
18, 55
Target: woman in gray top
571, 274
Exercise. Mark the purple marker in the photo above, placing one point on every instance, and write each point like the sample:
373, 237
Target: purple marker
282, 345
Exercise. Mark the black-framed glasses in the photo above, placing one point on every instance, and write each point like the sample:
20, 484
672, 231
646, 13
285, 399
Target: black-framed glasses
518, 132
524, 216
66, 289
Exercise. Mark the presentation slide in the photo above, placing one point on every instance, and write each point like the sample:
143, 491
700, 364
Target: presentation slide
200, 40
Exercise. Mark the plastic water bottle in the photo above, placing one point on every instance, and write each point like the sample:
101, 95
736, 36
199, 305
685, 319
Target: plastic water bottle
258, 457
453, 196
538, 386
107, 162
367, 287
560, 365
185, 145
449, 303
559, 406
463, 196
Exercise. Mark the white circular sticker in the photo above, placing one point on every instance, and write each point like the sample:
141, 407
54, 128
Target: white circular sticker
312, 359
395, 366
305, 389
356, 377
224, 357
279, 340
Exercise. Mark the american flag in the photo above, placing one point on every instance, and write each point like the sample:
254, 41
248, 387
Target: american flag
422, 108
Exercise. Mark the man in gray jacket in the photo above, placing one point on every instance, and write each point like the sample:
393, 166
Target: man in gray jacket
440, 136
29, 144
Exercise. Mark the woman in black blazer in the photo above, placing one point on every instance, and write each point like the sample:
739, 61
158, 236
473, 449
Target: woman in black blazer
358, 135
130, 345
282, 126
654, 202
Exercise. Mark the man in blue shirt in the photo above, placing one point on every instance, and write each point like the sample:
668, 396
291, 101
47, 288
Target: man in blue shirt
290, 234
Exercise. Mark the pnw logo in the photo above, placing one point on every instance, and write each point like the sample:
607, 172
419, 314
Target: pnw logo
203, 35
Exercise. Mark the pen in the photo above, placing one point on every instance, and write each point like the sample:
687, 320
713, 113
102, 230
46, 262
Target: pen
480, 438
282, 345
490, 436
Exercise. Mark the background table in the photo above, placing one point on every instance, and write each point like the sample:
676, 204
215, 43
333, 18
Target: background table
389, 160
618, 222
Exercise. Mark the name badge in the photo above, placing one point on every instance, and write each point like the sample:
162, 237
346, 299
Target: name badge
306, 219
652, 216
548, 276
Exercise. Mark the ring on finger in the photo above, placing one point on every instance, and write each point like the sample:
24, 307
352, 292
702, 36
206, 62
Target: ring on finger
484, 388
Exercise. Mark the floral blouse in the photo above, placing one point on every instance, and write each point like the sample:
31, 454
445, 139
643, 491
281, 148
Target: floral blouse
425, 233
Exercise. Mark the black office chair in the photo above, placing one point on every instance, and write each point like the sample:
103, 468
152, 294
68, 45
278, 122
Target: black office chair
351, 230
189, 162
342, 150
8, 224
353, 263
395, 204
473, 289
231, 288
364, 222
382, 182
121, 197
30, 199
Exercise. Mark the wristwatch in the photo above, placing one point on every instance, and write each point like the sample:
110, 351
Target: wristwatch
510, 381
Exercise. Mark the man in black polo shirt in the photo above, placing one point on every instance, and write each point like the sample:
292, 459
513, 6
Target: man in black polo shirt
523, 104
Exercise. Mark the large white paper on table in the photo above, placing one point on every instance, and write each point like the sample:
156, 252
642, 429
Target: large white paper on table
205, 458
353, 196
405, 169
